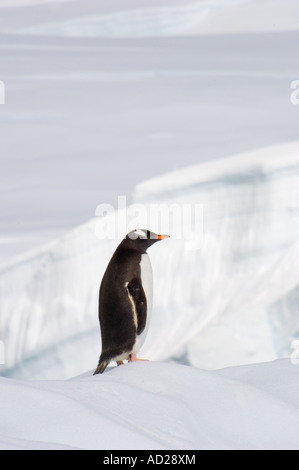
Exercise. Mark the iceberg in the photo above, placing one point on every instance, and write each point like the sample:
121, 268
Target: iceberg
230, 301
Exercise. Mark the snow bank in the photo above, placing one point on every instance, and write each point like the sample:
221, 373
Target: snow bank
232, 301
155, 406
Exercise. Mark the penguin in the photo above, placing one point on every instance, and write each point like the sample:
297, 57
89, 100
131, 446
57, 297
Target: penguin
125, 299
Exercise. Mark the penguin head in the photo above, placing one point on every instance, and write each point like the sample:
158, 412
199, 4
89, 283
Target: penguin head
142, 239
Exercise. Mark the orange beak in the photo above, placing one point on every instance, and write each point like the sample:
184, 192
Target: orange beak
162, 237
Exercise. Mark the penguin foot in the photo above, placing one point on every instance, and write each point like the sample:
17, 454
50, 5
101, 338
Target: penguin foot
133, 358
119, 363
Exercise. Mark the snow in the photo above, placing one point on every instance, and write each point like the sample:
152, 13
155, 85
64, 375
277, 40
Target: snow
155, 406
162, 101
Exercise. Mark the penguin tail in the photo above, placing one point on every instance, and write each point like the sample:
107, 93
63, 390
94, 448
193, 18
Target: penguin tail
101, 367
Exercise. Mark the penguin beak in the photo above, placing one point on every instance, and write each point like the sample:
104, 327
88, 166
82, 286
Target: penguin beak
162, 237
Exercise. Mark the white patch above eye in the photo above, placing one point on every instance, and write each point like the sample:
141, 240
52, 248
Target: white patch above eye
140, 233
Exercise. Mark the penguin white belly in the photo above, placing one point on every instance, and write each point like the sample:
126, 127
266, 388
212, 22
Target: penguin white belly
147, 284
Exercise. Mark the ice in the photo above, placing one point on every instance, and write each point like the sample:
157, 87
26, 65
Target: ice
234, 292
222, 304
88, 110
161, 101
246, 268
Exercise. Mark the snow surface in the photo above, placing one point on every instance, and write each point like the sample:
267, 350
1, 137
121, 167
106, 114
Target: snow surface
155, 406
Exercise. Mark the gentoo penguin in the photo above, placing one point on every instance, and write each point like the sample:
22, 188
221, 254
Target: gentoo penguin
125, 299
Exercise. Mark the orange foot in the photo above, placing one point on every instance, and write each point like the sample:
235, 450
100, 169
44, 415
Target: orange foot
119, 363
133, 358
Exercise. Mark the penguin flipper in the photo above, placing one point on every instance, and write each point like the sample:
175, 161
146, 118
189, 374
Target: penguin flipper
101, 367
137, 294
